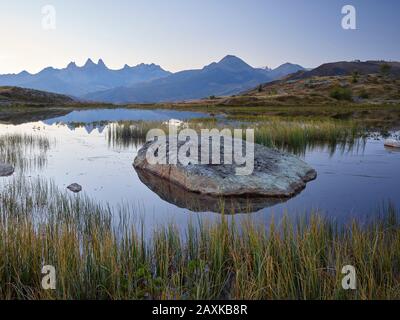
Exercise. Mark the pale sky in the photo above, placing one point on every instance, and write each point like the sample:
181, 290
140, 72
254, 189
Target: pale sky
187, 34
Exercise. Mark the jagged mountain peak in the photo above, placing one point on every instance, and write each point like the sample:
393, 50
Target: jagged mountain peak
101, 63
89, 63
147, 82
71, 65
81, 80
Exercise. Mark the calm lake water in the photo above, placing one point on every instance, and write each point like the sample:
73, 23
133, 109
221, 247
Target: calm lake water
350, 183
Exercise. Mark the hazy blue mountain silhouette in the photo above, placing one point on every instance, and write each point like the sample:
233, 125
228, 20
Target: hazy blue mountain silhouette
284, 70
148, 83
229, 76
78, 81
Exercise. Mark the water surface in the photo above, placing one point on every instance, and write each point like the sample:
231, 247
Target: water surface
350, 183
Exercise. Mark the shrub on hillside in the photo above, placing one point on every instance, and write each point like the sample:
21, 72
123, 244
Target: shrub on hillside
339, 93
364, 94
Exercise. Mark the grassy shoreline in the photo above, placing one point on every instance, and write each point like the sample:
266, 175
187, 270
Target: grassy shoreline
96, 259
373, 116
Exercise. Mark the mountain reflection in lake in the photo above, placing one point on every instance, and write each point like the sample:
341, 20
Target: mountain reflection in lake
352, 182
88, 117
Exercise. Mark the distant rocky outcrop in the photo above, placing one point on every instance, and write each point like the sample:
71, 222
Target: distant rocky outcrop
276, 174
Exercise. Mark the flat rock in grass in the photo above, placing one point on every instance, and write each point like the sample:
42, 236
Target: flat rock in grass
6, 170
276, 174
76, 188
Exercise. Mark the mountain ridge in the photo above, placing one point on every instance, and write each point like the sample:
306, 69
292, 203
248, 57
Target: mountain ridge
229, 76
346, 68
147, 83
77, 81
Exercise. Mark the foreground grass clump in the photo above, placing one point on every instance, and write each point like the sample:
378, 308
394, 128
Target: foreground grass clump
24, 150
96, 258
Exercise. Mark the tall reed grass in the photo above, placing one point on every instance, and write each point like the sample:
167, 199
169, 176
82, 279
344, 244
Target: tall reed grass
24, 150
298, 136
131, 133
293, 136
96, 258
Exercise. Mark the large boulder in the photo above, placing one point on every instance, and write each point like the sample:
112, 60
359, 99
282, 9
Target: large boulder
6, 170
276, 174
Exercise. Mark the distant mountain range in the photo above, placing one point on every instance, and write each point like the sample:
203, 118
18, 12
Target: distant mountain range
148, 83
78, 81
229, 76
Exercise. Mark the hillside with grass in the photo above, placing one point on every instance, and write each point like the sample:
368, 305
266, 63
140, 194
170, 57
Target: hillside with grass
355, 88
16, 95
347, 68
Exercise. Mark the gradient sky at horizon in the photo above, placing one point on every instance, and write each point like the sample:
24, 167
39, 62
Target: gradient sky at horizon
188, 34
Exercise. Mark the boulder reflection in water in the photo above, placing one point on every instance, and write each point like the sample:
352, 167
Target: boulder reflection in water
197, 202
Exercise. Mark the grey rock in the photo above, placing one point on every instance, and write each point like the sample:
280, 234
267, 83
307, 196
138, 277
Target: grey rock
276, 174
6, 170
75, 188
392, 143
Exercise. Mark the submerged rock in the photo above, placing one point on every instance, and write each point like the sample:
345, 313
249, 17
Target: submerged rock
6, 170
75, 188
392, 143
276, 174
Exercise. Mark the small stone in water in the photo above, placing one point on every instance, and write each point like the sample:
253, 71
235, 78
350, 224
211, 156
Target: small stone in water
75, 188
392, 143
6, 170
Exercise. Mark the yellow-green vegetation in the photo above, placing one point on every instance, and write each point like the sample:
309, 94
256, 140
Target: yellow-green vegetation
372, 101
319, 90
297, 136
24, 150
340, 93
127, 133
292, 135
95, 258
